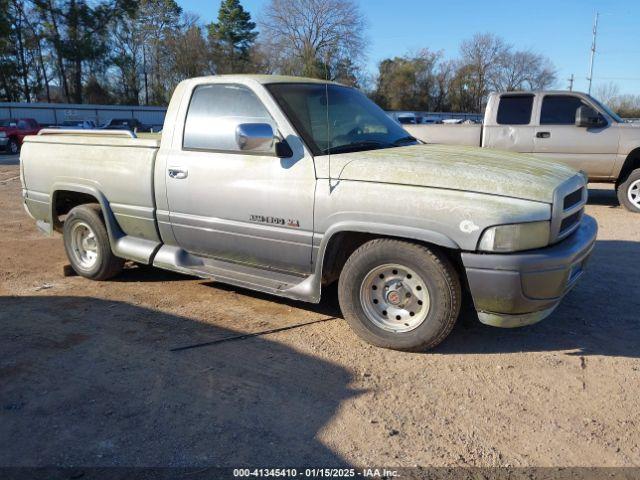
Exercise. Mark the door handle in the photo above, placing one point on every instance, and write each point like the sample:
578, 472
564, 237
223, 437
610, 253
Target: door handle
177, 173
543, 134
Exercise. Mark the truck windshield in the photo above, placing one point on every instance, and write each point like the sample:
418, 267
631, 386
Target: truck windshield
607, 110
337, 119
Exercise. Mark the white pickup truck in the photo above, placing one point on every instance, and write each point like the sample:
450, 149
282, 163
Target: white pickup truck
285, 185
570, 127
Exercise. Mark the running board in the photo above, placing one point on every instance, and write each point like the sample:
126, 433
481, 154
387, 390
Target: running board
306, 288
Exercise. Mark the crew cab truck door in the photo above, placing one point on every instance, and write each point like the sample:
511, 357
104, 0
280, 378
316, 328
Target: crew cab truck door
591, 149
235, 205
508, 125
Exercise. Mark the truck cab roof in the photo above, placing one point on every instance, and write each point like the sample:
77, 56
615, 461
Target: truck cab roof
262, 79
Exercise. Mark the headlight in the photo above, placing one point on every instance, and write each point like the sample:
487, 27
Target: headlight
3, 134
516, 237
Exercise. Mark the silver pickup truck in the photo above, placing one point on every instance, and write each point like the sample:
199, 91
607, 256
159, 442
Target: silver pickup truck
570, 127
285, 185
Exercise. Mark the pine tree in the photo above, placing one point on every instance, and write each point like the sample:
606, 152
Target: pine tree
232, 37
234, 26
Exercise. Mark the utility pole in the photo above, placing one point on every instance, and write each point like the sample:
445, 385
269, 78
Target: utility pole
593, 50
571, 83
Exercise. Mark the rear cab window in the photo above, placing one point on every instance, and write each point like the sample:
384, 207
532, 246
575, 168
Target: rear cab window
515, 110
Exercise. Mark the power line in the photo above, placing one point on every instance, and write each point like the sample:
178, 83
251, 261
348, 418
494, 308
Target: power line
632, 79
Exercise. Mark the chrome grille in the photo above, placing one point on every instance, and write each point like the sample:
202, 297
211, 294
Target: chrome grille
568, 207
573, 198
570, 221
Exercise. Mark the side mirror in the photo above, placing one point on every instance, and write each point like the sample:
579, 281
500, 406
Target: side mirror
283, 149
255, 137
587, 117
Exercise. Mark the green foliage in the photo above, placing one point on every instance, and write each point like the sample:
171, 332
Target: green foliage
407, 81
9, 69
234, 26
231, 38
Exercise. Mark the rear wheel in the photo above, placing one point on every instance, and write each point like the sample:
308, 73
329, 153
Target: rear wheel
629, 192
399, 295
13, 147
87, 244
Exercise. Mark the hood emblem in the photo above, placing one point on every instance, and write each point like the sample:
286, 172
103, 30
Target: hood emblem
467, 226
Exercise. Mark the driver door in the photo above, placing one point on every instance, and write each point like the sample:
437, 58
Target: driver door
232, 205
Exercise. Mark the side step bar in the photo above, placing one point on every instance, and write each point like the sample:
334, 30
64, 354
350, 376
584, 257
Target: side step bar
305, 288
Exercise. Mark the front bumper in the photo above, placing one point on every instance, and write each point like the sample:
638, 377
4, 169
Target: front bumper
516, 289
4, 142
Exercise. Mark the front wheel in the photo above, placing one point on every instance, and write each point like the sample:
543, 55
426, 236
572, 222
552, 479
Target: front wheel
87, 244
629, 192
399, 295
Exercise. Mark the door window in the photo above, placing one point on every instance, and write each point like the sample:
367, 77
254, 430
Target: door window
515, 110
214, 113
559, 109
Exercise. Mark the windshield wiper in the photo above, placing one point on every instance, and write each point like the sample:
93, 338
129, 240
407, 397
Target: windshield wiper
406, 139
357, 146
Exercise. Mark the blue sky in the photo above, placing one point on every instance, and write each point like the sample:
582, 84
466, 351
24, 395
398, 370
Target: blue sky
560, 29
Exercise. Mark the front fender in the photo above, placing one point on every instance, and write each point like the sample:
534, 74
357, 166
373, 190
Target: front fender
385, 230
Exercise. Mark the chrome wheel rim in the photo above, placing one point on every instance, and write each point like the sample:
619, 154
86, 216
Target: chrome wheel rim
634, 193
13, 147
84, 246
395, 298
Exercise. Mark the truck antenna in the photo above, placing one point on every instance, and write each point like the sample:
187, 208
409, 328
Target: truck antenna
593, 50
326, 96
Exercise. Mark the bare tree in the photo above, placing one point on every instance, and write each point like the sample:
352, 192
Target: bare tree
444, 77
523, 70
310, 37
482, 56
607, 93
186, 50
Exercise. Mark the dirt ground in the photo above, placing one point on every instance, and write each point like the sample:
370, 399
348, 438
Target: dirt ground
88, 376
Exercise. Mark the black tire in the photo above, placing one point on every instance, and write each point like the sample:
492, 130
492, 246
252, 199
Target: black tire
12, 147
630, 187
106, 265
434, 270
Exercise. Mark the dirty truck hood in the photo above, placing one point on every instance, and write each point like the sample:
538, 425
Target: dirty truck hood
453, 167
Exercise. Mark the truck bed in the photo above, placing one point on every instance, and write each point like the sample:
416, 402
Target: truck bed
468, 135
114, 164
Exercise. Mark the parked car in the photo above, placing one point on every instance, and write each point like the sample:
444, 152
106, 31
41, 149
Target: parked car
570, 127
131, 124
13, 131
407, 119
78, 125
285, 185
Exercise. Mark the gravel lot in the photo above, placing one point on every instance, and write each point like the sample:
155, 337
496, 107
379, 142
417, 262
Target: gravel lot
88, 377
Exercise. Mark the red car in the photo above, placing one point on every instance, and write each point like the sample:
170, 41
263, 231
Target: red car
13, 131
